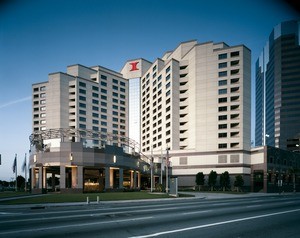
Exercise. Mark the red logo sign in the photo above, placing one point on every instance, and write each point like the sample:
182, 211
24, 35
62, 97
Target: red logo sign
134, 66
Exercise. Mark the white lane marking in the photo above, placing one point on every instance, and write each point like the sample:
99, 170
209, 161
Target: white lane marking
196, 212
251, 206
221, 203
73, 225
8, 213
215, 224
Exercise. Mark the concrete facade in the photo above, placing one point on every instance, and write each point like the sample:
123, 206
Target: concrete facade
196, 101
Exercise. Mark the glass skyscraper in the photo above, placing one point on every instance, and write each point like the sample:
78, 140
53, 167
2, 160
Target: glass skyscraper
278, 89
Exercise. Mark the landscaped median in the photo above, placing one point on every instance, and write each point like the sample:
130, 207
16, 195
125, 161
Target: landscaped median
16, 198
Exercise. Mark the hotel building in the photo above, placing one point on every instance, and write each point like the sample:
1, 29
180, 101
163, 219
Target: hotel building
80, 132
195, 102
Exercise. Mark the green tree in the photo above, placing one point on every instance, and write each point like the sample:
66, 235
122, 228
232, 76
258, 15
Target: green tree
225, 180
212, 179
239, 182
20, 182
200, 179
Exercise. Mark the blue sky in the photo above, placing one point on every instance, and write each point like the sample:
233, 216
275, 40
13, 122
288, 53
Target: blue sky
41, 37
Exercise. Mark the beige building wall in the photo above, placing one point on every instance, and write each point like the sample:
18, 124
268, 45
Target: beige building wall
208, 125
91, 98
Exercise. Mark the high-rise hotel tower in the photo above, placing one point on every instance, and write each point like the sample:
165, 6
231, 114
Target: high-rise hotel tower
196, 102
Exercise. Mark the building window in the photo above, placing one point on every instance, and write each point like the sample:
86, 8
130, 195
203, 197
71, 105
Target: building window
234, 71
95, 88
234, 98
222, 91
234, 158
234, 80
82, 84
234, 116
234, 54
83, 119
234, 107
222, 117
234, 63
82, 126
223, 146
83, 105
222, 135
95, 108
168, 69
103, 77
95, 101
82, 91
223, 56
223, 74
222, 82
222, 109
82, 112
233, 90
82, 98
104, 84
222, 100
222, 65
223, 126
103, 90
222, 159
95, 121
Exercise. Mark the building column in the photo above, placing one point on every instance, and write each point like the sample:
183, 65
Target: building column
74, 177
107, 177
80, 177
121, 177
139, 179
131, 179
33, 178
40, 178
111, 178
62, 180
44, 177
134, 179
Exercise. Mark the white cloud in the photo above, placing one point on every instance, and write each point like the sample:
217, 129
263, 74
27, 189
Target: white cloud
15, 102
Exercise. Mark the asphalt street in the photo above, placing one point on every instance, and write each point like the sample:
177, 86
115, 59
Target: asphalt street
249, 216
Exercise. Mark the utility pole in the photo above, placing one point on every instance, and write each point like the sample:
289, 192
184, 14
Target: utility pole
151, 170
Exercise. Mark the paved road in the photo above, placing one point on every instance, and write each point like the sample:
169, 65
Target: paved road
264, 216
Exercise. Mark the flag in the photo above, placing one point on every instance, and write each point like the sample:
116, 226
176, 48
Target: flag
14, 164
24, 164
